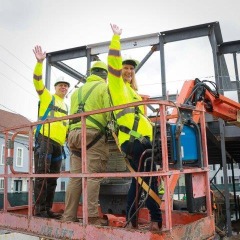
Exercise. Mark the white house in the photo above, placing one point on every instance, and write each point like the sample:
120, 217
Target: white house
21, 154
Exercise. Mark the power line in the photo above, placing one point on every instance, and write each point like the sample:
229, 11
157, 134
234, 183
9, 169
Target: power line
15, 112
9, 109
182, 80
15, 70
29, 68
24, 144
17, 84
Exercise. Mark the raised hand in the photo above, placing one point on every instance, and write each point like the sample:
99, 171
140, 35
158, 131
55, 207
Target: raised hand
39, 54
116, 30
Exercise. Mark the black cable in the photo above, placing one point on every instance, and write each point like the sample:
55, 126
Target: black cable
205, 86
25, 145
137, 191
150, 178
195, 88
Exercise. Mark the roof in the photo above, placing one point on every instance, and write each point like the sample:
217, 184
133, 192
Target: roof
9, 120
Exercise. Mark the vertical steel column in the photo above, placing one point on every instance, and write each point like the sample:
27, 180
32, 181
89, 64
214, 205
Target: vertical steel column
162, 65
88, 61
236, 75
216, 60
48, 73
225, 176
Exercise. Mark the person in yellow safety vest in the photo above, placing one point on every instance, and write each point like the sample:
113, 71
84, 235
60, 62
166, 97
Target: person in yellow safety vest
93, 95
49, 138
135, 130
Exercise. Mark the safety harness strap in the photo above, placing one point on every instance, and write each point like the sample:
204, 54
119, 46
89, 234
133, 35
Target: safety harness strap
79, 153
58, 109
134, 128
53, 109
140, 181
83, 101
125, 111
144, 185
133, 132
44, 117
129, 131
81, 108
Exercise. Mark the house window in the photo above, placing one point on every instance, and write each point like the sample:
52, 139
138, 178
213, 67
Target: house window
1, 183
17, 185
237, 179
2, 155
235, 166
229, 179
62, 186
19, 159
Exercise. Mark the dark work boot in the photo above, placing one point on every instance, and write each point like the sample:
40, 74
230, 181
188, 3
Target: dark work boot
42, 214
52, 214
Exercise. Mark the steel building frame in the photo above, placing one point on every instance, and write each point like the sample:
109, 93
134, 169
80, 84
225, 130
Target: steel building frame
157, 42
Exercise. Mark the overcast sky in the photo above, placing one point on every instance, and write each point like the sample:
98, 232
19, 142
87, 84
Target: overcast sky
63, 24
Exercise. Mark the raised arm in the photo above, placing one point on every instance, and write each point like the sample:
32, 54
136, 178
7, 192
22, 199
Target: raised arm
39, 54
116, 30
43, 93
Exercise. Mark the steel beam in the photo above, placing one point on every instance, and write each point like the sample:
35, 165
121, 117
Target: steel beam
126, 43
67, 54
70, 71
230, 47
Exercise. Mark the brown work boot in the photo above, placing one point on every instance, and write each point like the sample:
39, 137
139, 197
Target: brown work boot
155, 226
98, 221
63, 219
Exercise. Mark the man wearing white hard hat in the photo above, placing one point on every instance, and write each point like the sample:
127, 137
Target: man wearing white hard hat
49, 138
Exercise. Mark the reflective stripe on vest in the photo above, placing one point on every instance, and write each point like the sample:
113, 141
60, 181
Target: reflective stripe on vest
125, 111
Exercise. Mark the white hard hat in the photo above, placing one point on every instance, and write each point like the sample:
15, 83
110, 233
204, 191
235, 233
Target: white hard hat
61, 80
130, 61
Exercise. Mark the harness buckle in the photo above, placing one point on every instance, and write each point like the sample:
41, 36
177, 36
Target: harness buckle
80, 108
135, 134
143, 140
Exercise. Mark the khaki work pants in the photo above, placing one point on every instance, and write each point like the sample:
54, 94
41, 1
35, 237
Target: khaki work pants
97, 157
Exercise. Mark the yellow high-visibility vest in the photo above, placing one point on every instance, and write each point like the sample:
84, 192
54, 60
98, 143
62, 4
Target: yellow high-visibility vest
57, 130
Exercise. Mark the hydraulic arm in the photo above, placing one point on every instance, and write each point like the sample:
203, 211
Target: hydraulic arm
196, 92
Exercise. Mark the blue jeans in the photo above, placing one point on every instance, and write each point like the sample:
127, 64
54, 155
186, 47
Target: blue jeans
135, 151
